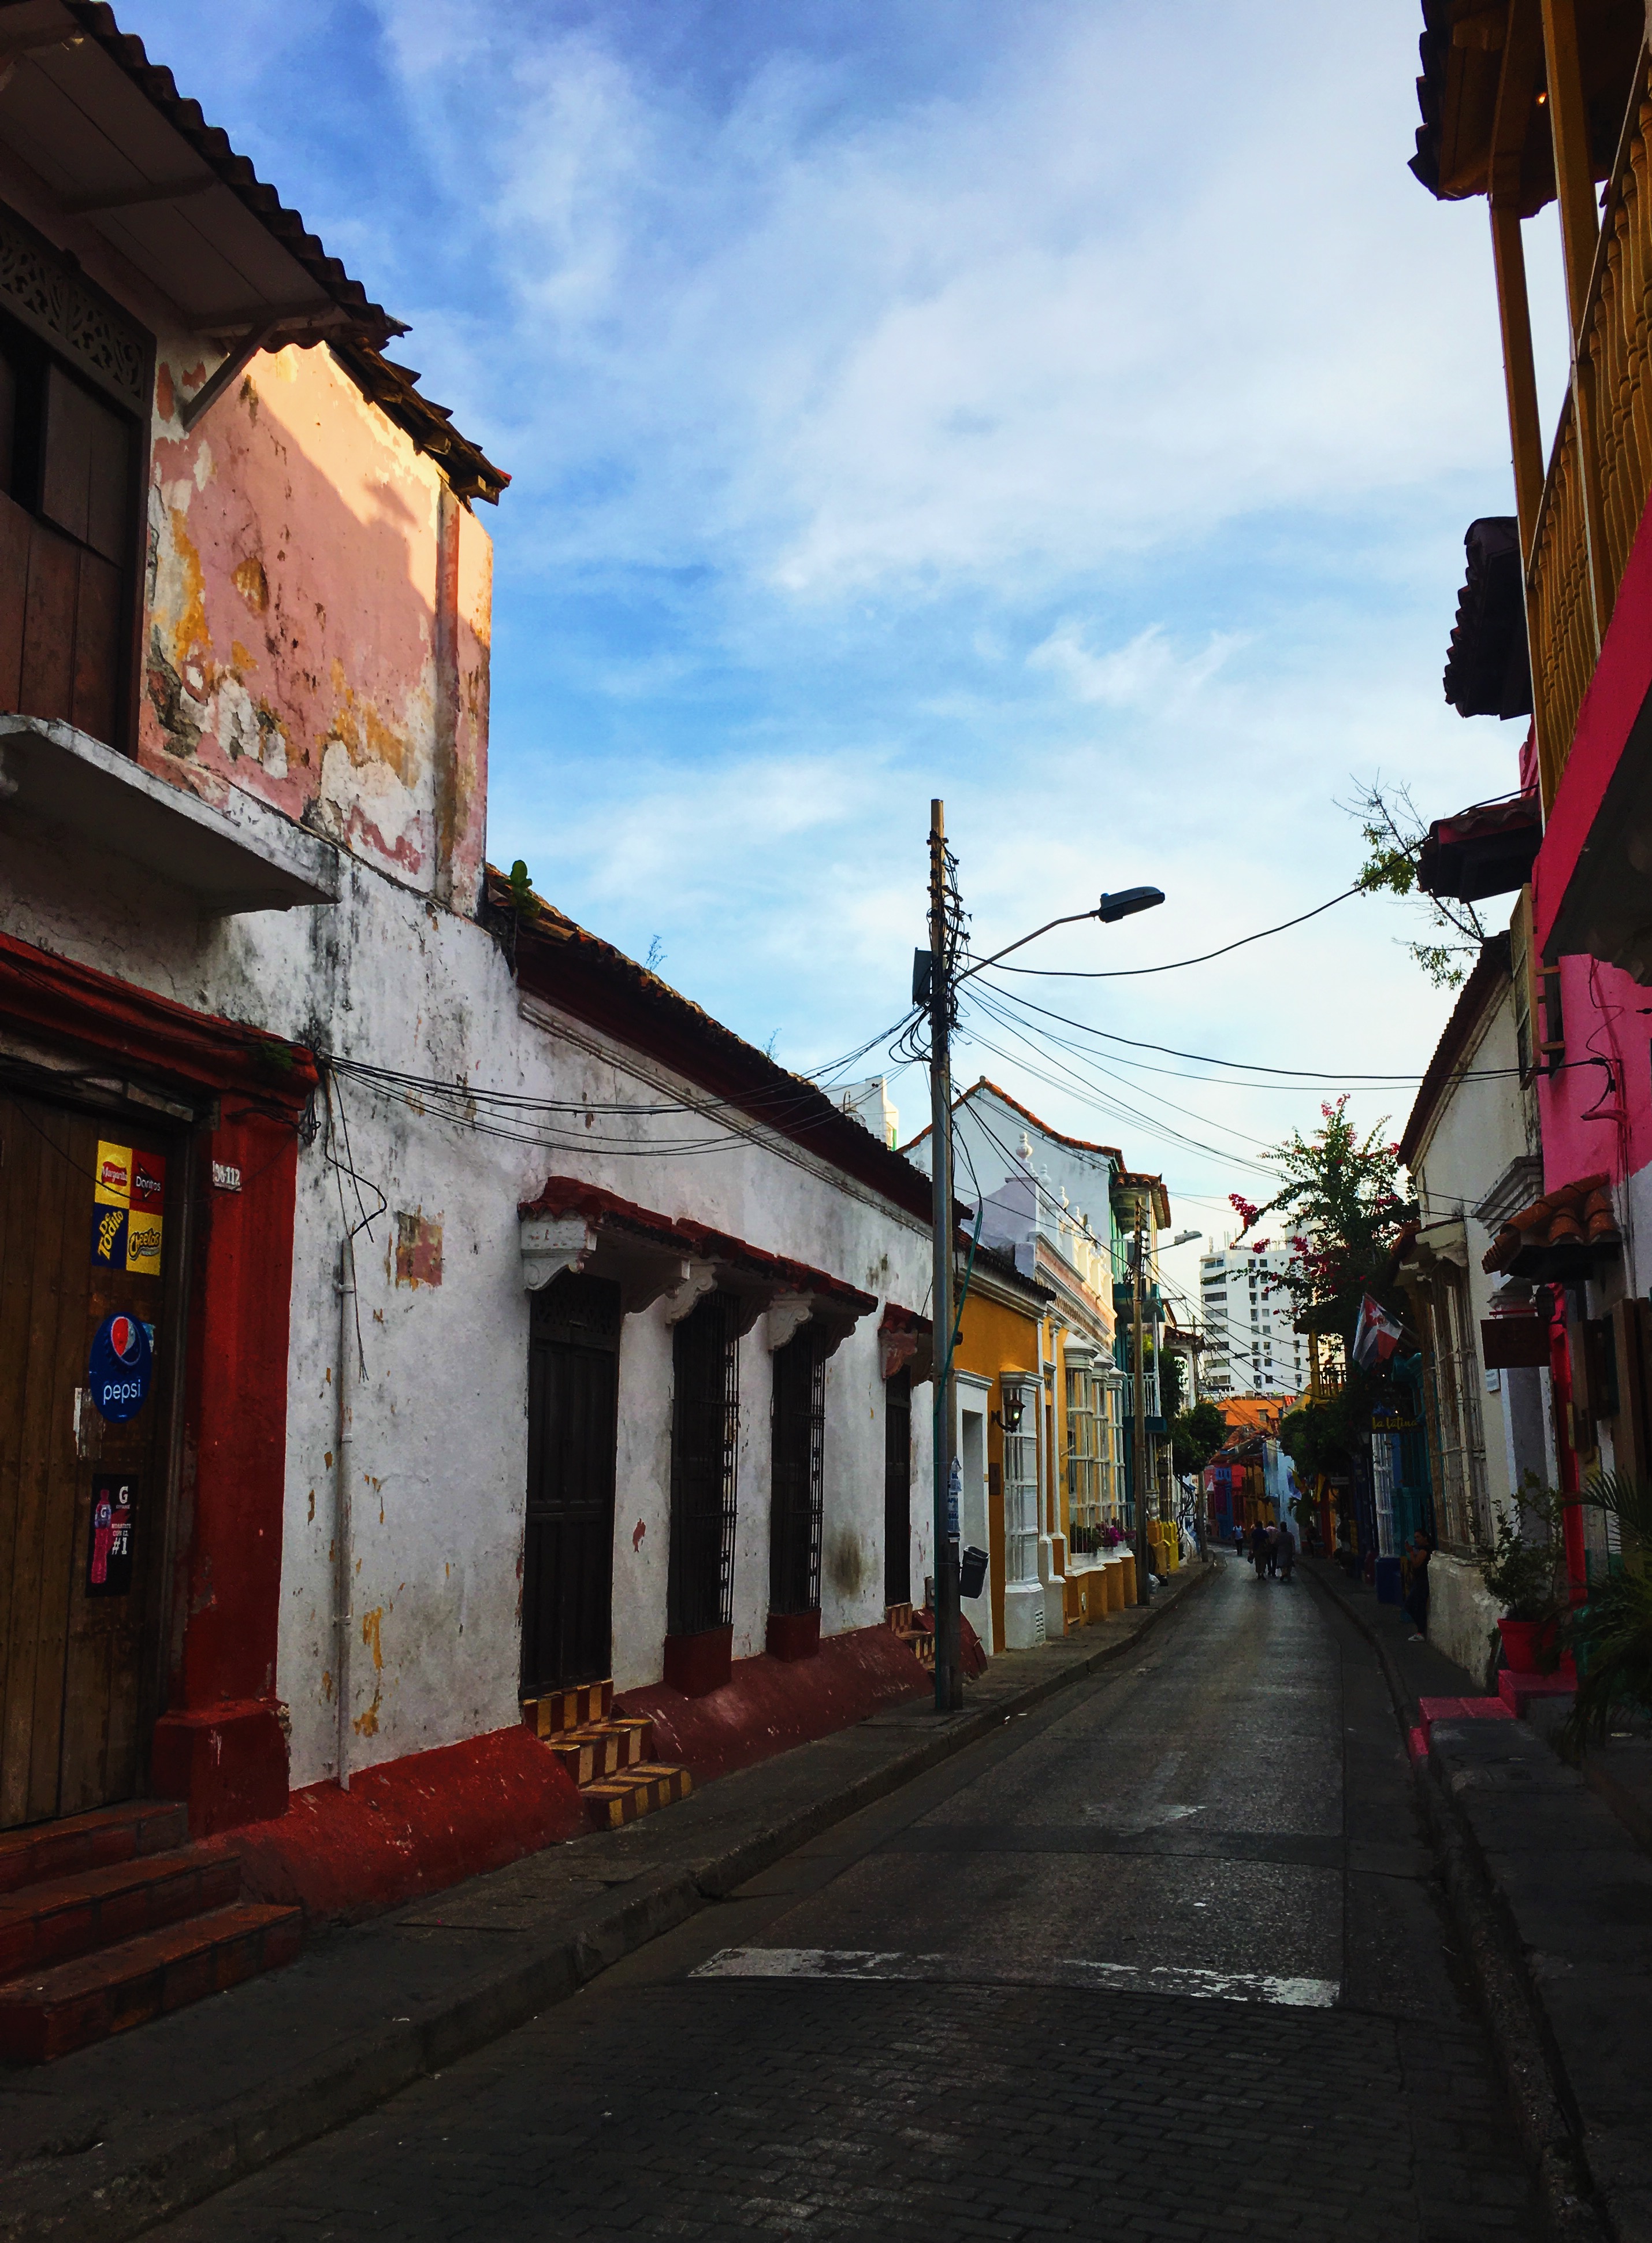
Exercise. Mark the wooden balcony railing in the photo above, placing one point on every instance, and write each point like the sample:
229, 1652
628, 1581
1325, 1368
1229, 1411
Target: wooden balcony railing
1600, 471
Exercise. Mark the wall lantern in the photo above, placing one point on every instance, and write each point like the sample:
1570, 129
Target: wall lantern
1015, 1403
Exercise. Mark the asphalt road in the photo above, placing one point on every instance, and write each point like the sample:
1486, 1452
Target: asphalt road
1165, 1959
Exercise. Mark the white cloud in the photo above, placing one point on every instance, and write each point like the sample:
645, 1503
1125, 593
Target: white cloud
1147, 672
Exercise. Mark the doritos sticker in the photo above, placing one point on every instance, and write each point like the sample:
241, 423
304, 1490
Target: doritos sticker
143, 1245
109, 1237
149, 1180
114, 1175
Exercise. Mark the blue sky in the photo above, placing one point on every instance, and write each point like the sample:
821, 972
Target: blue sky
1070, 409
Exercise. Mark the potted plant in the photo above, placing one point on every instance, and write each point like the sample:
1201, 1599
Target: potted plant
1610, 1633
1522, 1573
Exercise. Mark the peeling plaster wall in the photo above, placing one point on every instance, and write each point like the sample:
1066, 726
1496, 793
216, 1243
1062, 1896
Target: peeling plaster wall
441, 1447
317, 626
311, 588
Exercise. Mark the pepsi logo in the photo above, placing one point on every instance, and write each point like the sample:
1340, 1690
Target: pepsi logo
125, 1338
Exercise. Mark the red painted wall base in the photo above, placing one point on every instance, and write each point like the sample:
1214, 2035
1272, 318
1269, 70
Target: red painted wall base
792, 1635
229, 1762
697, 1664
413, 1826
769, 1705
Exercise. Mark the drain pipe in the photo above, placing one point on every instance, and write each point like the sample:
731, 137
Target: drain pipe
343, 1542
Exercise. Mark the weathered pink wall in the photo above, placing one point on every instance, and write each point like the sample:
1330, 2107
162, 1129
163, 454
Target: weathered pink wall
298, 544
1607, 1016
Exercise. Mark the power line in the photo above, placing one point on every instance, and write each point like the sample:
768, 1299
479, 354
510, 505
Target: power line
1129, 973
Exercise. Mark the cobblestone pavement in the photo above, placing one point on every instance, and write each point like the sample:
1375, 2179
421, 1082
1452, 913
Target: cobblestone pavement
1164, 1959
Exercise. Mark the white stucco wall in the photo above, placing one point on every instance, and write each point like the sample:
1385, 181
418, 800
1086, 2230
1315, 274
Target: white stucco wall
386, 978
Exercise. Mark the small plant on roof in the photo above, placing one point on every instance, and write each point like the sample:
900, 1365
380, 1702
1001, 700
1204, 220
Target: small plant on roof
524, 902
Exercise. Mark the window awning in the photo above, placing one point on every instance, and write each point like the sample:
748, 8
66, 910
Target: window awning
1559, 1236
1487, 850
908, 1343
575, 1225
1488, 670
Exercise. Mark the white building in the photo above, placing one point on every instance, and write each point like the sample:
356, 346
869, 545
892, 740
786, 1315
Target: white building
1248, 1318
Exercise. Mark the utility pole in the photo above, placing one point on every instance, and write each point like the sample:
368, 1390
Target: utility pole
949, 1679
1138, 1391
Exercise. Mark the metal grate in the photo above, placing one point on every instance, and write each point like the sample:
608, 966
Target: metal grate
705, 1451
897, 1489
798, 1447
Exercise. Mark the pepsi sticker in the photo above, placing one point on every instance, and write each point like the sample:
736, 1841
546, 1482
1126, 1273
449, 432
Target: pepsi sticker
122, 1365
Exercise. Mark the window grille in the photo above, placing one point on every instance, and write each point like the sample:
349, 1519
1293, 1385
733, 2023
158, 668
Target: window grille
797, 1443
897, 1489
1021, 1493
1084, 1465
705, 1453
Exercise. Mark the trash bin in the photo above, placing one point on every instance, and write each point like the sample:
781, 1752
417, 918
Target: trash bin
1387, 1581
972, 1571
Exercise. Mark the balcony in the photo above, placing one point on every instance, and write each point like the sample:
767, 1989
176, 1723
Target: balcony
1600, 471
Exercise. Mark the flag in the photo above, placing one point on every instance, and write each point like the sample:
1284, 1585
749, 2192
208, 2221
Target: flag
1376, 1336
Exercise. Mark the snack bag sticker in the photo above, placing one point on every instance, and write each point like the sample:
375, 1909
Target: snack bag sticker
143, 1245
149, 1181
109, 1237
114, 1175
121, 1368
109, 1559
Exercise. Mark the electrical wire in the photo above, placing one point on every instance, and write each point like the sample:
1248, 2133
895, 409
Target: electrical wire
1175, 964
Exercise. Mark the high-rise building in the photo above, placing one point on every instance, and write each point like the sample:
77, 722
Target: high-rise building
1251, 1348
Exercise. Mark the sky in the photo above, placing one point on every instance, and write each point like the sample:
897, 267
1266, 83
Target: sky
1070, 410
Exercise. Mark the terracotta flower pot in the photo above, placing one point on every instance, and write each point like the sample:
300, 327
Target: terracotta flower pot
1523, 1642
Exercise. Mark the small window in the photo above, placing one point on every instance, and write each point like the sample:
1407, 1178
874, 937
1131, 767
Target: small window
67, 545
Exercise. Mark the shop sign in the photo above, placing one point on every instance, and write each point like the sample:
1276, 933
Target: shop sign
109, 1559
126, 1216
122, 1367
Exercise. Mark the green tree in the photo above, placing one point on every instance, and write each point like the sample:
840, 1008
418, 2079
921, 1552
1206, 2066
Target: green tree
1395, 830
1339, 1194
1195, 1436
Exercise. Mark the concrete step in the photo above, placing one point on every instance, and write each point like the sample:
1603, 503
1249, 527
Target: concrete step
607, 1748
91, 1841
639, 1791
45, 2014
583, 1705
55, 1921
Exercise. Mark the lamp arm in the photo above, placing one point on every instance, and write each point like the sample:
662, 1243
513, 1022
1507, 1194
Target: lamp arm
981, 964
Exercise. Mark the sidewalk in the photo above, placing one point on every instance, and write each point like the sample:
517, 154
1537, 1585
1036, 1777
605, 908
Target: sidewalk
105, 2142
1553, 1897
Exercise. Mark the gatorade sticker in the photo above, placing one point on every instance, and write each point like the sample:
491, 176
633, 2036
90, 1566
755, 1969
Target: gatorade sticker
143, 1245
149, 1181
109, 1559
114, 1175
121, 1368
109, 1237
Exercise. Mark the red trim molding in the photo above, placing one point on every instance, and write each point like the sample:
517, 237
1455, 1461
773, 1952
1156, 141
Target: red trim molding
68, 1005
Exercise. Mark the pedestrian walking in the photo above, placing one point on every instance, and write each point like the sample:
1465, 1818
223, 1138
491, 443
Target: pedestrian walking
1416, 1580
1239, 1543
1287, 1550
1258, 1550
1273, 1552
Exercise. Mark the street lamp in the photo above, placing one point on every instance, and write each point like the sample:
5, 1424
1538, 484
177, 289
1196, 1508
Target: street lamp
942, 980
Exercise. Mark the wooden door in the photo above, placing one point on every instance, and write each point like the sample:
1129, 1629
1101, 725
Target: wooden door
568, 1569
84, 1217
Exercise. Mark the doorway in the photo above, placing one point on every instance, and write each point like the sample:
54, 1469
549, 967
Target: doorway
572, 1429
90, 1264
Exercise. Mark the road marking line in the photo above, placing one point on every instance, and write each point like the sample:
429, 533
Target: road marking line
869, 1964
